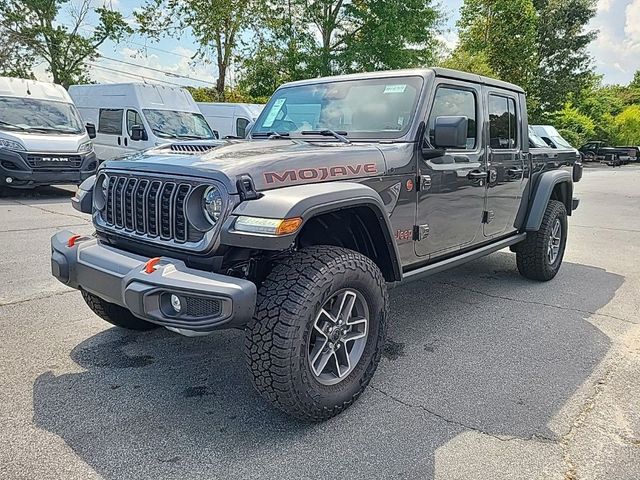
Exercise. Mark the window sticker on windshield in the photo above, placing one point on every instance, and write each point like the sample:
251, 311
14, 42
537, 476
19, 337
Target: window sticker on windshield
394, 89
273, 113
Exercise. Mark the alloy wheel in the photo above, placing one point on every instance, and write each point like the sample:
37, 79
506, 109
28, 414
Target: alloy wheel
338, 337
555, 239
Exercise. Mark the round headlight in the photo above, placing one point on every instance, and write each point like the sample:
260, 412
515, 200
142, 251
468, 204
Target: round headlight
100, 191
212, 204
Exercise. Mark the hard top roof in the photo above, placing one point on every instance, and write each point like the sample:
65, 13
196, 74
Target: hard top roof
421, 72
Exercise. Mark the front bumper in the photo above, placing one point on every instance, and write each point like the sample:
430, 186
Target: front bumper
14, 166
120, 277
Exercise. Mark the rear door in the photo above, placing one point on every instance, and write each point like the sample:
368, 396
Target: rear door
452, 195
506, 161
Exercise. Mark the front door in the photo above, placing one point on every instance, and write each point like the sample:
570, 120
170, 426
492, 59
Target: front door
452, 195
506, 164
132, 118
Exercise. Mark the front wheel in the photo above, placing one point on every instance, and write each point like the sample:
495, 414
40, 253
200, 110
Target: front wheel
540, 256
318, 332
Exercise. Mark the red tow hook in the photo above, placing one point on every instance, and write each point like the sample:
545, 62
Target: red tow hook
151, 265
73, 239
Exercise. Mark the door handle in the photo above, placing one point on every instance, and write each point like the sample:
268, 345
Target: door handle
119, 141
126, 142
477, 175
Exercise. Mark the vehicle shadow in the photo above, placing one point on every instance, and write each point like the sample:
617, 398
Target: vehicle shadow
41, 194
479, 347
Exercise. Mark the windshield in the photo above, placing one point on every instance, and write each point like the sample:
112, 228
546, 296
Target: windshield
171, 124
535, 141
41, 116
561, 142
373, 108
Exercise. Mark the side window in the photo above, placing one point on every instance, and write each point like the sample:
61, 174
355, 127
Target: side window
133, 118
241, 127
503, 124
110, 121
457, 102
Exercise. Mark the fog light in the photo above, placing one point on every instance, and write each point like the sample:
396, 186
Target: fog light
9, 180
176, 303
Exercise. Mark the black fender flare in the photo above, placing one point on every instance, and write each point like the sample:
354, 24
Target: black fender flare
545, 185
82, 201
308, 201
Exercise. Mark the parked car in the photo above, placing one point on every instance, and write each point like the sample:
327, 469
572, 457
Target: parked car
347, 184
132, 117
42, 138
230, 119
600, 151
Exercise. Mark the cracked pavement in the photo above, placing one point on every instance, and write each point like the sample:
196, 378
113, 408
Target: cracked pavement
485, 375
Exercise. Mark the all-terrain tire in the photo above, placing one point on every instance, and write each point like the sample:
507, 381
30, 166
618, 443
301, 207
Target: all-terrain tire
115, 314
532, 255
278, 338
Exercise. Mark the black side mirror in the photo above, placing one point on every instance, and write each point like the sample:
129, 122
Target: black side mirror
91, 130
451, 132
138, 133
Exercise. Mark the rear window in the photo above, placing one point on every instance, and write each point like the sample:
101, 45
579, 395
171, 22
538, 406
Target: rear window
502, 123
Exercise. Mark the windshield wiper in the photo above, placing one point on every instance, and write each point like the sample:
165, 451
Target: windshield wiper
51, 129
328, 133
11, 125
192, 137
270, 135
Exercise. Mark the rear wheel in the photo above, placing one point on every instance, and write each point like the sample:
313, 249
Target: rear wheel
540, 256
318, 332
115, 314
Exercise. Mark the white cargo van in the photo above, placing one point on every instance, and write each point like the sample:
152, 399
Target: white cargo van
131, 117
230, 119
551, 137
42, 138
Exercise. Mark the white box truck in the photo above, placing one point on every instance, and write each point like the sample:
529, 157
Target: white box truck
42, 138
230, 119
131, 117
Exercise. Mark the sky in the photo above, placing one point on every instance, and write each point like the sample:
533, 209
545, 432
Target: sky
616, 51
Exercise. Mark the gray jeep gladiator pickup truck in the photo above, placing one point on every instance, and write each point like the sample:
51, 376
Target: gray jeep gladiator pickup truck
347, 185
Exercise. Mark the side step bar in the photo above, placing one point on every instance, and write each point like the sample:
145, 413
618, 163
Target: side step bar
453, 262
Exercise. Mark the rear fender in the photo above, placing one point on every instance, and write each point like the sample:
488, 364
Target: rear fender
542, 193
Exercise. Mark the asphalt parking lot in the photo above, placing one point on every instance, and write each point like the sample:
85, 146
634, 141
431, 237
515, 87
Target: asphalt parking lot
485, 375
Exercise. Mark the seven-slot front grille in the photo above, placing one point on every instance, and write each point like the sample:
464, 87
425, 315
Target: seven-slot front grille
149, 207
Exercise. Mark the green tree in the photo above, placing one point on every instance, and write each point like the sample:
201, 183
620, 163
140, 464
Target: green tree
15, 60
465, 61
33, 28
299, 39
628, 124
282, 46
574, 126
216, 24
390, 34
635, 83
562, 41
504, 31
